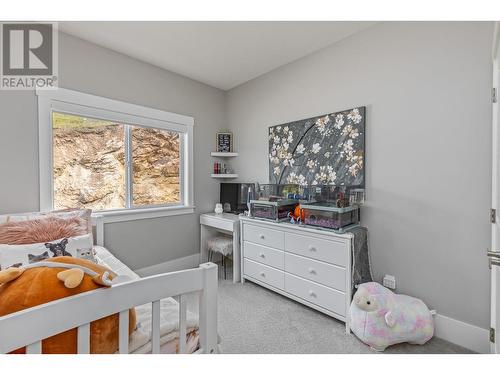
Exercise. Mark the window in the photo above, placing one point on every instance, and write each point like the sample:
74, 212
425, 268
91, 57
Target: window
112, 157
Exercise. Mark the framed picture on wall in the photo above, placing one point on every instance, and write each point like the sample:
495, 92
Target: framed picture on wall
321, 150
224, 142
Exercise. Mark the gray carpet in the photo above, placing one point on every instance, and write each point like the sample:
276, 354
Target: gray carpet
253, 319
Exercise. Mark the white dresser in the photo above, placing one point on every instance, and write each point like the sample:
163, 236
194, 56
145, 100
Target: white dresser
310, 266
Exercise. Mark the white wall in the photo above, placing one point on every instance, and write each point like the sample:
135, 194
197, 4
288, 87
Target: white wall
89, 68
428, 147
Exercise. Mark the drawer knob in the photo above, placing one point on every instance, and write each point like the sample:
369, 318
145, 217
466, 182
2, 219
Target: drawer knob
312, 294
261, 236
262, 255
312, 248
312, 271
262, 274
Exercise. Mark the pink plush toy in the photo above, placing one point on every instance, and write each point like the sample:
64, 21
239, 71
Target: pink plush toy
381, 318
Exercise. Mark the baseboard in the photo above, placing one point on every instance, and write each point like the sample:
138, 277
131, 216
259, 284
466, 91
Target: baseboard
464, 334
191, 261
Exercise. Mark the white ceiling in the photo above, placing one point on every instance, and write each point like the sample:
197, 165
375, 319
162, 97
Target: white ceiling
220, 54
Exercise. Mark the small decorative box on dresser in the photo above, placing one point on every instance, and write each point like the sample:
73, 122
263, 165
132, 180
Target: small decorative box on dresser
308, 265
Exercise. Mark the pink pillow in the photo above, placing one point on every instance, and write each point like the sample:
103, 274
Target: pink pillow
85, 214
43, 229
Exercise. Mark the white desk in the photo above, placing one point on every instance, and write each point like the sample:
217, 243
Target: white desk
210, 225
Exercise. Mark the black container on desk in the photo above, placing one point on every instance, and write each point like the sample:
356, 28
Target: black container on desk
237, 195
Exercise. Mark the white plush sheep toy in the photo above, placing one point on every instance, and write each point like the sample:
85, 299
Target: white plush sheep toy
381, 318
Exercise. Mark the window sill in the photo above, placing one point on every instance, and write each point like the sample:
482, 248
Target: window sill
141, 213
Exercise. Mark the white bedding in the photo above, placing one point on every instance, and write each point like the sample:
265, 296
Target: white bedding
140, 339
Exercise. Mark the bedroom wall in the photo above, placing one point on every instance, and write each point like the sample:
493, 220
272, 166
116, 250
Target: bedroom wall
92, 69
428, 147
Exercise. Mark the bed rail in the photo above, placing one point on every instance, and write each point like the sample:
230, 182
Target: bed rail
40, 322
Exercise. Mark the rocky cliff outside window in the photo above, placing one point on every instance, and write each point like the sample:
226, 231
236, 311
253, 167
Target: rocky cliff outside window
104, 165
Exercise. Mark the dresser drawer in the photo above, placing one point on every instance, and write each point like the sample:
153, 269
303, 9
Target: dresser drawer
320, 272
264, 273
317, 294
264, 236
324, 250
262, 254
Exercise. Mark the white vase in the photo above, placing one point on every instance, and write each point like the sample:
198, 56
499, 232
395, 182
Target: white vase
218, 208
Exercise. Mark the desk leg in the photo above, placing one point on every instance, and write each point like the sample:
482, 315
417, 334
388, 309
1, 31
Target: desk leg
236, 253
203, 244
240, 243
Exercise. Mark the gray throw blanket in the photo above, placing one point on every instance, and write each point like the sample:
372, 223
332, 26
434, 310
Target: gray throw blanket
361, 267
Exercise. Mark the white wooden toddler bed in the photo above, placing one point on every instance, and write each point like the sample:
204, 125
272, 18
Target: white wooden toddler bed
163, 323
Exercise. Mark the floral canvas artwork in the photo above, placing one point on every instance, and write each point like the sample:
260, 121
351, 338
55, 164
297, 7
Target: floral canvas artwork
328, 149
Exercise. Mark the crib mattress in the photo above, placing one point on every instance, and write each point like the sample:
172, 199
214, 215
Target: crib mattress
140, 339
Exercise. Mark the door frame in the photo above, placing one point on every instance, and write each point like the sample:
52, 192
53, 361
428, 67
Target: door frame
495, 195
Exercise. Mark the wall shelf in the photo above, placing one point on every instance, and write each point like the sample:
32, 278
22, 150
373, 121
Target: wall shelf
224, 175
223, 165
223, 154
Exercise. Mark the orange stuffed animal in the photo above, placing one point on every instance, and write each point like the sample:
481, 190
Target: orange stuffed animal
55, 278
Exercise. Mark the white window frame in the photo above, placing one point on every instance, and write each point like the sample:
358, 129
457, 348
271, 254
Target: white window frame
87, 105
